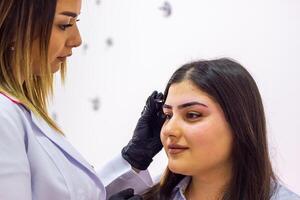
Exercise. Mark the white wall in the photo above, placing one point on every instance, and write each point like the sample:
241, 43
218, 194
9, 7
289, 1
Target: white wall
147, 47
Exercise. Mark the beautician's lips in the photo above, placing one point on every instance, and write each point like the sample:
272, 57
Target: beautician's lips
176, 148
63, 58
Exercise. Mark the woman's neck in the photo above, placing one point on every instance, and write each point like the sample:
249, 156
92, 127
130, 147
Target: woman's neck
209, 185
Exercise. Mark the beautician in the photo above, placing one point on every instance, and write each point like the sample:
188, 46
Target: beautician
36, 160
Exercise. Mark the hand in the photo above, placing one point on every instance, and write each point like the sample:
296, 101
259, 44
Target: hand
145, 142
127, 194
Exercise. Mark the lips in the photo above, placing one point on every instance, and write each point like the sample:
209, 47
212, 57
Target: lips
176, 149
63, 58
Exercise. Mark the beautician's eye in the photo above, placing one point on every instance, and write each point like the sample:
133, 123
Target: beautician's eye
63, 27
193, 115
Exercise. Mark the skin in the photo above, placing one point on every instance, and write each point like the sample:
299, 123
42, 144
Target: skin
64, 36
205, 138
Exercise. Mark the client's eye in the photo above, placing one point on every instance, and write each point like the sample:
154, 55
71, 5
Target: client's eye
193, 115
167, 116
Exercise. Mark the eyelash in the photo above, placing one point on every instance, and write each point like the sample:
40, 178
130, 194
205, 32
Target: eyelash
193, 115
167, 116
63, 27
188, 116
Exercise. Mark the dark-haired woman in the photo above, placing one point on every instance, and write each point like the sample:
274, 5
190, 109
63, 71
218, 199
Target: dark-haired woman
215, 137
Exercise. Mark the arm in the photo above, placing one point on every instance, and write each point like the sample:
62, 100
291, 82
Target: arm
15, 181
129, 171
118, 174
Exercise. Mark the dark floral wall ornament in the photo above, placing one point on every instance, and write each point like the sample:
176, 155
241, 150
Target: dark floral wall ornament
166, 8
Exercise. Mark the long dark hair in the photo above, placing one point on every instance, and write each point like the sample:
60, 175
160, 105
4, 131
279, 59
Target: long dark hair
234, 89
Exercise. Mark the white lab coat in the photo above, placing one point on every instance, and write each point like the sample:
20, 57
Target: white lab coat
37, 163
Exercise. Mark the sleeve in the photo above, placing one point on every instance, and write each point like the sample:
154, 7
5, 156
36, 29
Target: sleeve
15, 181
117, 175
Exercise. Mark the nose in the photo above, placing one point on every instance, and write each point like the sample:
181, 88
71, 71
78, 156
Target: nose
171, 128
75, 38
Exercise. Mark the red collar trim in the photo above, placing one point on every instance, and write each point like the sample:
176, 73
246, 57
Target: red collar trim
11, 98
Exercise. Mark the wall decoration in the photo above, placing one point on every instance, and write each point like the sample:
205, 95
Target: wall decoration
166, 8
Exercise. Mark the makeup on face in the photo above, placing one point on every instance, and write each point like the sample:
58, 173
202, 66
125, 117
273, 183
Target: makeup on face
66, 19
195, 134
185, 105
69, 14
198, 107
174, 148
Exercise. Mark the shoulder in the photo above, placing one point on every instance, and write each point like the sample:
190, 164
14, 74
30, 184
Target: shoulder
10, 106
283, 193
12, 113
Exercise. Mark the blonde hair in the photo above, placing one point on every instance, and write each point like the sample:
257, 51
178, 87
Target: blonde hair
24, 25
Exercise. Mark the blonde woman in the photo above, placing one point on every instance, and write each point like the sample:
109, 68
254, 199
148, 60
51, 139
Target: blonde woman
36, 161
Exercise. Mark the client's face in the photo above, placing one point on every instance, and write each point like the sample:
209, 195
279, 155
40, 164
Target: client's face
195, 135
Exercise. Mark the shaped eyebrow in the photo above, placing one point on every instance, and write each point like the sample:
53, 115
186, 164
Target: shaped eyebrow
69, 14
188, 104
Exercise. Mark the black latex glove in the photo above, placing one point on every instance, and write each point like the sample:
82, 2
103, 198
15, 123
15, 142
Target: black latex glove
145, 142
127, 194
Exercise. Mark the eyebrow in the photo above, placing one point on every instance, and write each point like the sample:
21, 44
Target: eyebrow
68, 13
185, 105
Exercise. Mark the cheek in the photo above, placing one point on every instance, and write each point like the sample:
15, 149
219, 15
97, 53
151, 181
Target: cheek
210, 140
55, 46
198, 135
53, 53
163, 137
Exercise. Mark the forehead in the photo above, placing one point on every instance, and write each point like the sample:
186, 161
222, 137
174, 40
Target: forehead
186, 91
68, 5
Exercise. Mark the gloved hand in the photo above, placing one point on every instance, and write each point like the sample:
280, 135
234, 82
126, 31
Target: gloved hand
127, 194
145, 142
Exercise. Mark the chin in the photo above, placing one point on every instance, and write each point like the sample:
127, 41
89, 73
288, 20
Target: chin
179, 167
55, 68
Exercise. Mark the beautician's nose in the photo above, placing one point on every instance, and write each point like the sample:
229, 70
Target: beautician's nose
75, 38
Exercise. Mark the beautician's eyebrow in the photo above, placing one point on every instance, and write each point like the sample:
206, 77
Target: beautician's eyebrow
68, 13
185, 105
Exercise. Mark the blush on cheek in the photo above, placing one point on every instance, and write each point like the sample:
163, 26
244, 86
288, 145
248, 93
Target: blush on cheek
199, 135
